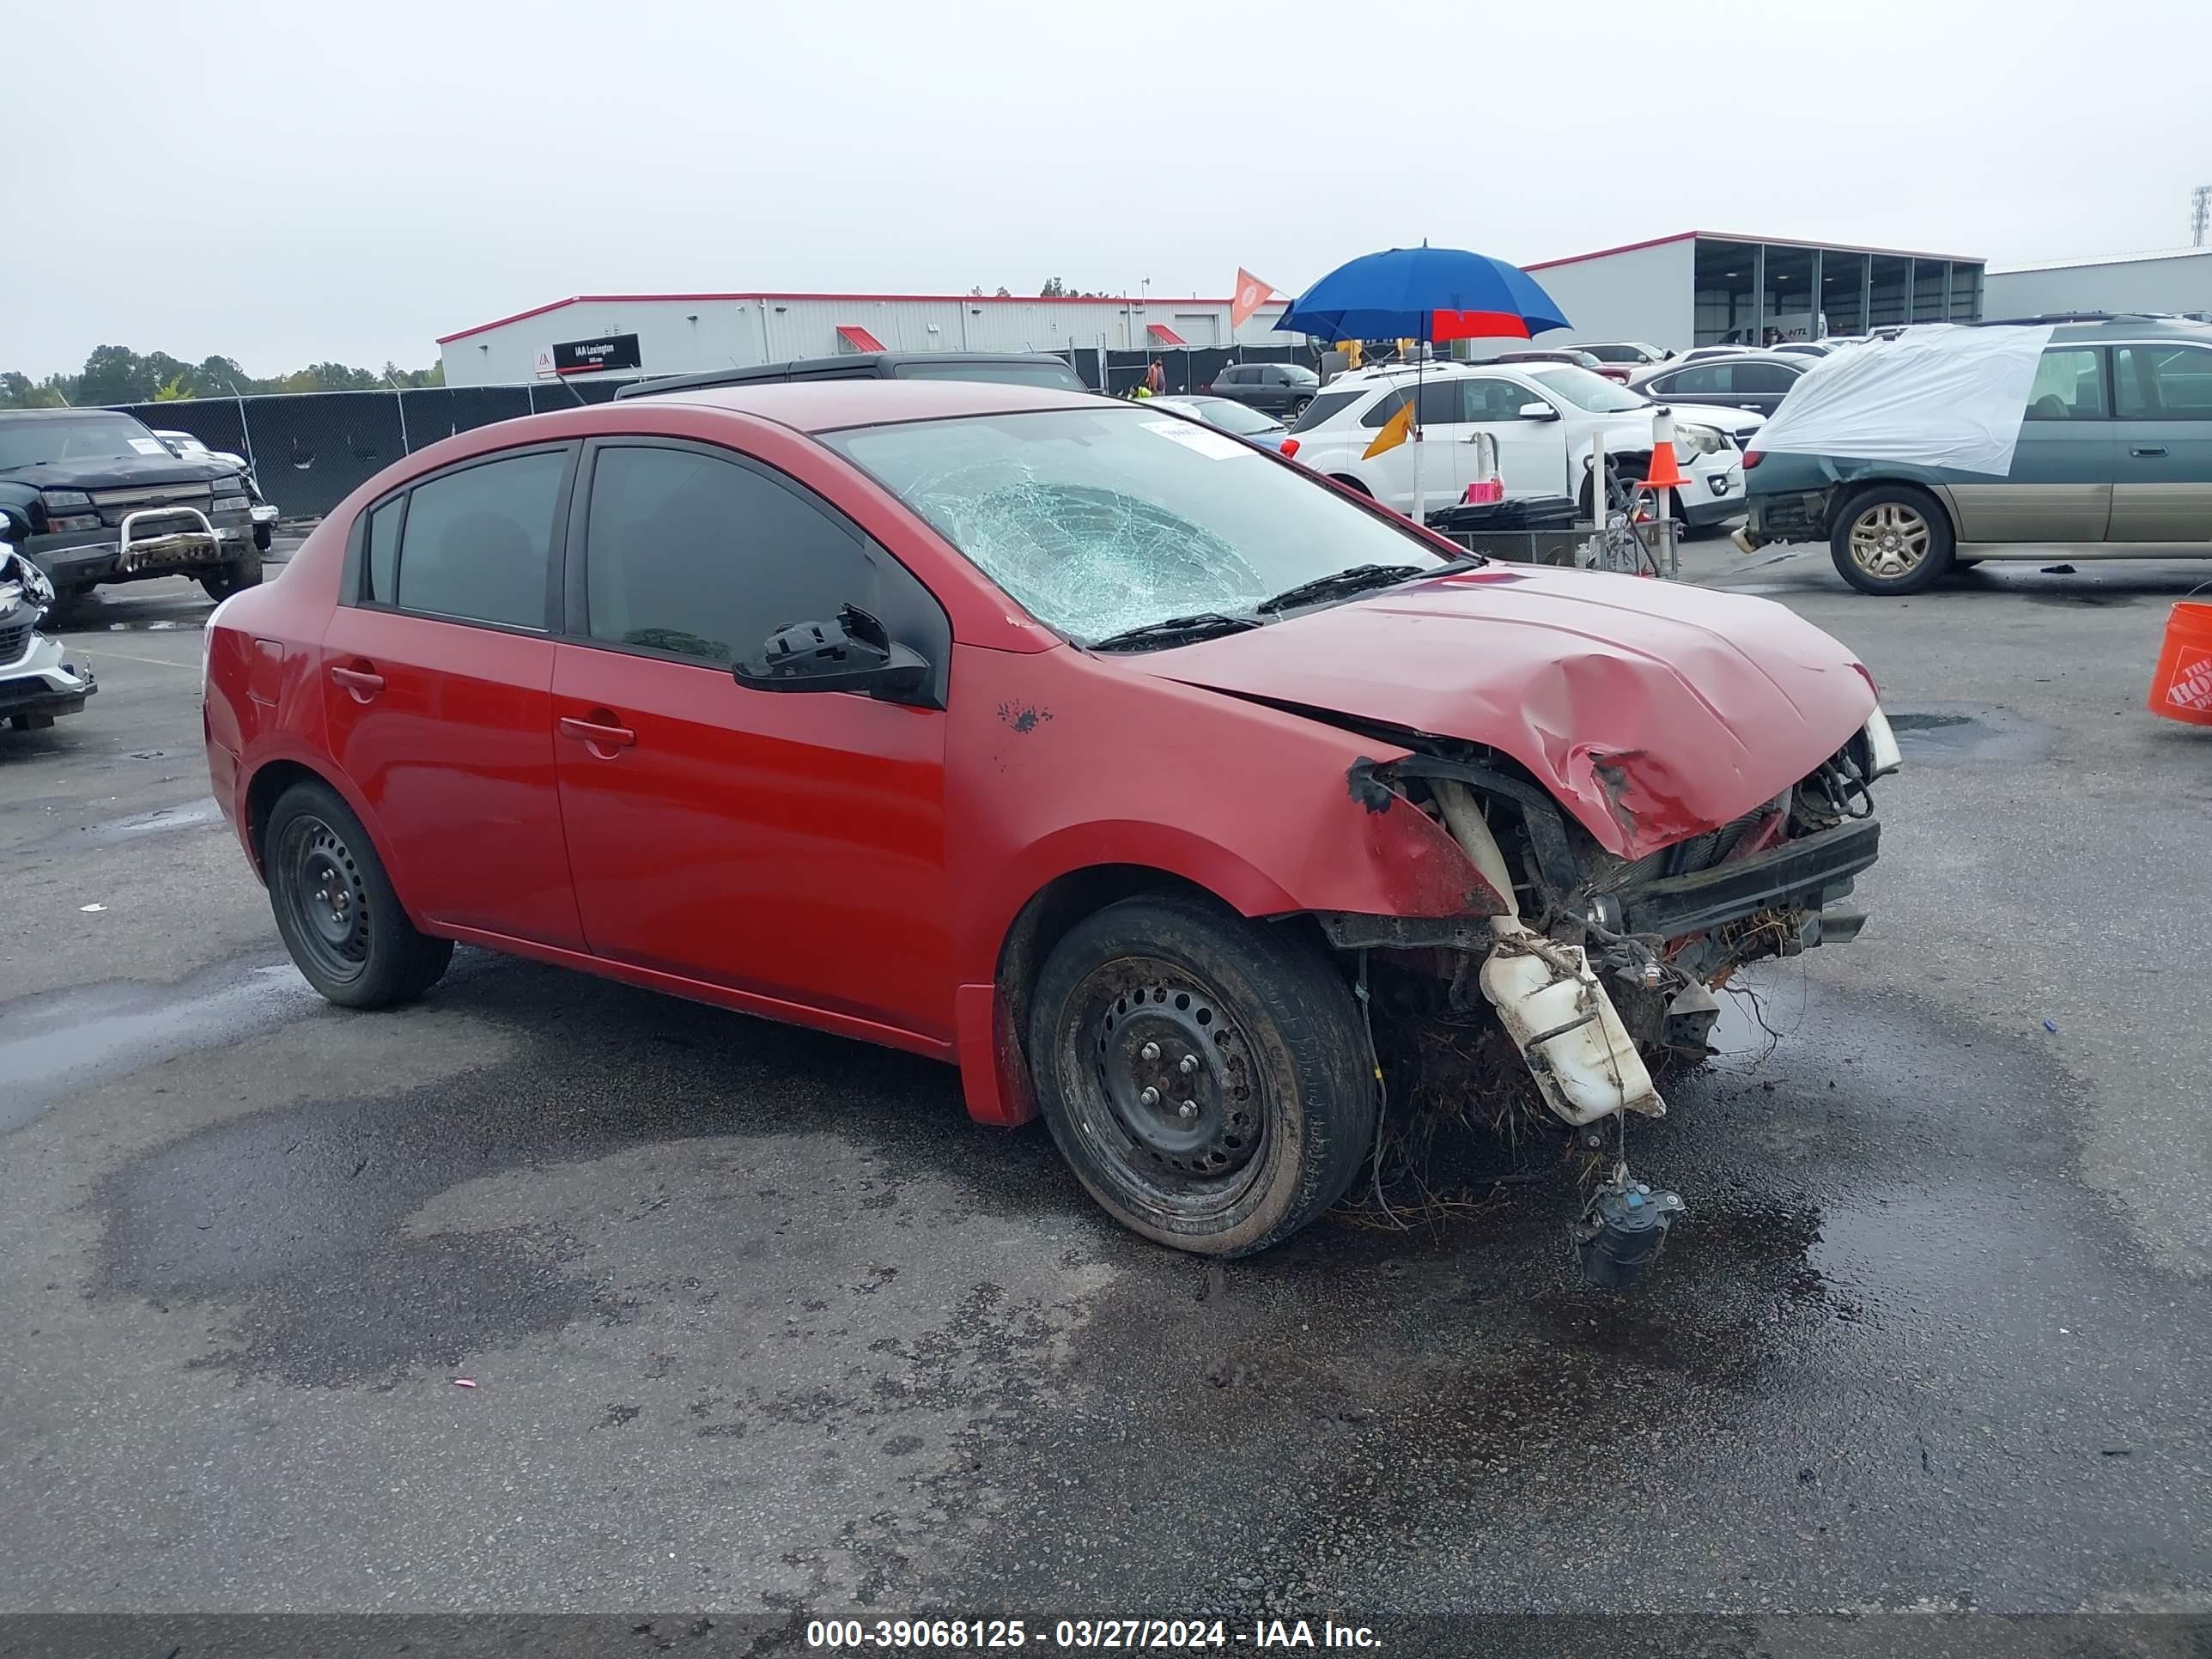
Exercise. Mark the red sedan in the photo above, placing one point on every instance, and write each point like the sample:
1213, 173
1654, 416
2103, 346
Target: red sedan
1155, 783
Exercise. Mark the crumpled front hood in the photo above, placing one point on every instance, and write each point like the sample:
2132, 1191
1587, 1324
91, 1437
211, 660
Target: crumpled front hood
1652, 711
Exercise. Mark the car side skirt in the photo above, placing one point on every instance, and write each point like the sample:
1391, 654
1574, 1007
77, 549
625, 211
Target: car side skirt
695, 990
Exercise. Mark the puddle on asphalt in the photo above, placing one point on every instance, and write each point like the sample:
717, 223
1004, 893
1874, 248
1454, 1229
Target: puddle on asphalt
193, 816
53, 1044
1945, 731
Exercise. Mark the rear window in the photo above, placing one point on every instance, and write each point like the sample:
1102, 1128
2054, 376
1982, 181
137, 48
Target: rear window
1233, 416
1057, 377
1326, 407
1615, 354
477, 542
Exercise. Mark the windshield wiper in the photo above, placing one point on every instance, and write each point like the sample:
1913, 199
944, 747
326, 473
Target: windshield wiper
1199, 625
1358, 579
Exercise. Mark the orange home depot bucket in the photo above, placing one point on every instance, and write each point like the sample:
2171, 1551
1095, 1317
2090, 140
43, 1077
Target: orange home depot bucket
2181, 685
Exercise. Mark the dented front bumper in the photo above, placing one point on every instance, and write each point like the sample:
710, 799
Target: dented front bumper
1805, 874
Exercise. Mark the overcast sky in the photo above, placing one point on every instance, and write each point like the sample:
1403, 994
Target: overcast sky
291, 182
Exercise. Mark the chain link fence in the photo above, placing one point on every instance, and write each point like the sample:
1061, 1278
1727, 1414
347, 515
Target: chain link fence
309, 451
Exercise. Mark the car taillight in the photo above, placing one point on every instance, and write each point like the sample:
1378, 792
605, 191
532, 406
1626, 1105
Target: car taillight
1752, 457
1287, 448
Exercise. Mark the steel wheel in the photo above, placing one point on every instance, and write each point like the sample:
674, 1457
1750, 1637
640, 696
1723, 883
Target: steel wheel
1891, 539
321, 883
1164, 1090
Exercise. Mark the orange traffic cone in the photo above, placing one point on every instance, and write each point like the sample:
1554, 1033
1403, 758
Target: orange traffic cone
2181, 685
1666, 471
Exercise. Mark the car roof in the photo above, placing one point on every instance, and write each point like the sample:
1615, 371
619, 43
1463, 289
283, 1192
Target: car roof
831, 405
848, 366
2135, 325
1749, 354
62, 413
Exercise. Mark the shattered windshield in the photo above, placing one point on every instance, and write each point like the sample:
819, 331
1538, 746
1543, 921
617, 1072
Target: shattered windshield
1100, 520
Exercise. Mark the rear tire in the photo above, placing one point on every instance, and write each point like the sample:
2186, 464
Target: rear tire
1246, 1023
1351, 485
336, 908
1891, 538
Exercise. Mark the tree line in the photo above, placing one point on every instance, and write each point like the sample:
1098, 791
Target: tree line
116, 374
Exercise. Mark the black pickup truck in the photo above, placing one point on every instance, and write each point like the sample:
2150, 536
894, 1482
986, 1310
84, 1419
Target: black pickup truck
107, 501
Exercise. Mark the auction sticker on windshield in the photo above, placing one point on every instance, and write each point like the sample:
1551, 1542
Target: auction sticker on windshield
1211, 443
147, 447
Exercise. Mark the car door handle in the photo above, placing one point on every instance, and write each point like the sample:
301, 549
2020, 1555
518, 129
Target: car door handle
361, 682
599, 734
2146, 449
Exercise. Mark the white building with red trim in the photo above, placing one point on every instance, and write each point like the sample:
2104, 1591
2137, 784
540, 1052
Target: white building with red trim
683, 333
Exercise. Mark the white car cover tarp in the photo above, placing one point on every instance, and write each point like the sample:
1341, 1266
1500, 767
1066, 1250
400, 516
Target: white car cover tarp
1940, 395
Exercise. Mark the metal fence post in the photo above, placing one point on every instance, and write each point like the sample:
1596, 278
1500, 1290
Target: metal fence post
245, 431
399, 399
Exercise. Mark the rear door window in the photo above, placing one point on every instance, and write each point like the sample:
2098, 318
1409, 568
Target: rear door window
2068, 386
384, 552
1442, 403
477, 544
1708, 380
1384, 408
1762, 377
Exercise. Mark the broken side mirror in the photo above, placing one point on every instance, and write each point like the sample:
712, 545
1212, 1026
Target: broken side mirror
852, 651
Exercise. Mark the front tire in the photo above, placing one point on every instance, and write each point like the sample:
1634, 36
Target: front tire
336, 908
1206, 1077
1891, 538
234, 578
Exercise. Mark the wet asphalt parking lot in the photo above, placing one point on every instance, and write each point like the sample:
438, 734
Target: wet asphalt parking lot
759, 1322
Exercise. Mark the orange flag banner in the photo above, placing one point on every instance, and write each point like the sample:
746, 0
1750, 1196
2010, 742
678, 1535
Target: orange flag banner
1395, 431
1251, 295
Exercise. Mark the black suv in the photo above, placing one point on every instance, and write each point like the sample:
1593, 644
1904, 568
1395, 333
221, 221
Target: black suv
106, 501
1282, 389
1003, 368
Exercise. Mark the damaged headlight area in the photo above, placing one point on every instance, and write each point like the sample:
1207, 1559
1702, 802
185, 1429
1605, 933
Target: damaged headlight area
1601, 979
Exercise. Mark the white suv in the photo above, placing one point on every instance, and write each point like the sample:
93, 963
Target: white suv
1544, 418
